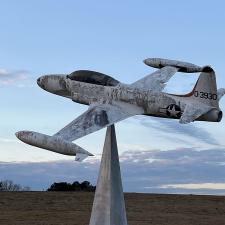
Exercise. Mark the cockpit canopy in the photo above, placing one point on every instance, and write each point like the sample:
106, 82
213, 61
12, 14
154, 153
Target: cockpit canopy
93, 77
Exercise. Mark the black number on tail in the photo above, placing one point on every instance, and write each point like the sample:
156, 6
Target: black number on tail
205, 95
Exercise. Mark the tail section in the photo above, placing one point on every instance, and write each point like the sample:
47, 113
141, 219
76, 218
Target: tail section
220, 93
205, 90
206, 108
204, 99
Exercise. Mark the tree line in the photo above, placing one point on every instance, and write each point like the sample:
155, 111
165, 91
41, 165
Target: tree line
8, 185
75, 186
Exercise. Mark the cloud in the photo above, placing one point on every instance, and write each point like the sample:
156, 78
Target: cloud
168, 127
17, 78
154, 171
215, 186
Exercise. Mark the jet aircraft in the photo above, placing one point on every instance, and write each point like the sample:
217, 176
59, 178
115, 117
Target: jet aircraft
111, 101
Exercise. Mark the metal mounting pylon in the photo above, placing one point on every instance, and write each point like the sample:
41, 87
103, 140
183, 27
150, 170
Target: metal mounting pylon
109, 206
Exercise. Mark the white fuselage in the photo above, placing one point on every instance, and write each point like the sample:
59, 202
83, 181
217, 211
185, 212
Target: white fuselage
152, 102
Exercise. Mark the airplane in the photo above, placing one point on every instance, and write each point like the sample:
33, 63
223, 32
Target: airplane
111, 101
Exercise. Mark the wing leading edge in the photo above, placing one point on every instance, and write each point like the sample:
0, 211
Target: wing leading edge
157, 80
96, 118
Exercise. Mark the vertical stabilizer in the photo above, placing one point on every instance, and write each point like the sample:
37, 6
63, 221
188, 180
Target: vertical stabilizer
205, 90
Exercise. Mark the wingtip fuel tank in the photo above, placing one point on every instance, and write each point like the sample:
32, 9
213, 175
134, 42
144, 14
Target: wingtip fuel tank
182, 66
51, 143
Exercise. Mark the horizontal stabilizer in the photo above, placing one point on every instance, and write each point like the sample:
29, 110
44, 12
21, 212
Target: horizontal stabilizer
80, 157
220, 93
192, 112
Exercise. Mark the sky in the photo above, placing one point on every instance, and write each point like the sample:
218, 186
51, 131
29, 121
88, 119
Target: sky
112, 37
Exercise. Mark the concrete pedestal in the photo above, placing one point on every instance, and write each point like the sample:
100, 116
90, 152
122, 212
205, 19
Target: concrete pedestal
109, 207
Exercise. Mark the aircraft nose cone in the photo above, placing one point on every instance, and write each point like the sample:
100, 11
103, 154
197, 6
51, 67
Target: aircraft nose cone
53, 83
39, 82
145, 61
19, 134
42, 81
22, 135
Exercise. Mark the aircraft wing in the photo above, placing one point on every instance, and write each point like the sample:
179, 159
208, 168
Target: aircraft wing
193, 111
157, 80
220, 93
96, 118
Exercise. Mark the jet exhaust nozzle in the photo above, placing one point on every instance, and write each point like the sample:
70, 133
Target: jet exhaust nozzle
213, 115
51, 143
182, 66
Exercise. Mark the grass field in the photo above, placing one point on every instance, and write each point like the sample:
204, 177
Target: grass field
74, 208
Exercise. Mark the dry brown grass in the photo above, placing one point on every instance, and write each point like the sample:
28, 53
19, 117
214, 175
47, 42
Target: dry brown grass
74, 208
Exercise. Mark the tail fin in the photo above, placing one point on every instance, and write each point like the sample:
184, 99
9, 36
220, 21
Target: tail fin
205, 89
